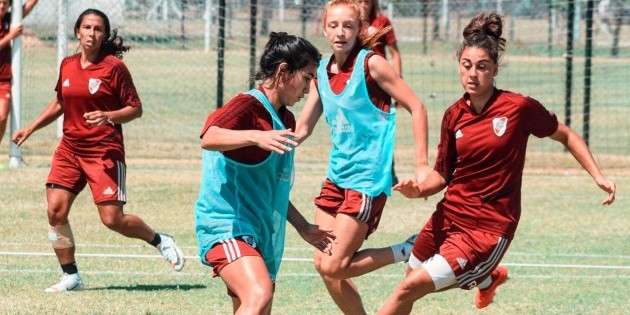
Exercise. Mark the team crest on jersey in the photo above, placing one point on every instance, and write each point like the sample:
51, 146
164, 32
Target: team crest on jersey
499, 125
249, 240
93, 85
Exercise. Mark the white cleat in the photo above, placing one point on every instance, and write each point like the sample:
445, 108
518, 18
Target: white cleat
171, 252
67, 283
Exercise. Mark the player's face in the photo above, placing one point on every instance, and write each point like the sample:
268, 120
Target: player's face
366, 5
341, 27
4, 7
91, 33
297, 85
477, 71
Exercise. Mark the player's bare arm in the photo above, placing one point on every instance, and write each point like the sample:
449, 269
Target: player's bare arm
310, 114
51, 112
320, 238
433, 184
221, 139
578, 148
397, 88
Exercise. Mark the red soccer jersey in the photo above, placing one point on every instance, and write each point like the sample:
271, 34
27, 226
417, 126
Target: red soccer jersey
389, 38
245, 112
105, 85
5, 52
379, 97
484, 154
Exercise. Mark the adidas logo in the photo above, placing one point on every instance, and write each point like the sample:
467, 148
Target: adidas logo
108, 191
341, 123
462, 262
66, 82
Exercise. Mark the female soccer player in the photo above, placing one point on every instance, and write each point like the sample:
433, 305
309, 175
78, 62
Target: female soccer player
247, 162
96, 94
7, 34
480, 163
353, 90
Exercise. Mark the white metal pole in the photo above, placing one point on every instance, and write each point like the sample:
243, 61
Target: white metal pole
281, 5
15, 155
207, 26
62, 46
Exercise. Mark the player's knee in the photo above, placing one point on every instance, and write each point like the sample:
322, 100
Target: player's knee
60, 236
111, 222
331, 268
258, 299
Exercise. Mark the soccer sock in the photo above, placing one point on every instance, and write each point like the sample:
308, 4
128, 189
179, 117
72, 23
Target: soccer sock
486, 283
70, 268
401, 251
156, 240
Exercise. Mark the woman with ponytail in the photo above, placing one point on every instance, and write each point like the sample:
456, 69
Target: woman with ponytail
96, 95
480, 162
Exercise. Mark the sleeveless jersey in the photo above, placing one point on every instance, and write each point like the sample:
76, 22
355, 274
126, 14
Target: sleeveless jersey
237, 199
362, 135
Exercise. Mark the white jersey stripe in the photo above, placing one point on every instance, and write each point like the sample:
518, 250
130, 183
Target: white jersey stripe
485, 266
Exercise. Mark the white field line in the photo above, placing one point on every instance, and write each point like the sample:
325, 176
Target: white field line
292, 274
288, 259
310, 250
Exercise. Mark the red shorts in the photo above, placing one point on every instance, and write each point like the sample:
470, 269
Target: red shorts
226, 251
472, 254
5, 89
106, 177
333, 200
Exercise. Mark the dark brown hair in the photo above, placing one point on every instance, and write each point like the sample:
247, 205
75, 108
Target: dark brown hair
484, 31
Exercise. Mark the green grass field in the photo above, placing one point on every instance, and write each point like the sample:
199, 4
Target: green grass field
570, 255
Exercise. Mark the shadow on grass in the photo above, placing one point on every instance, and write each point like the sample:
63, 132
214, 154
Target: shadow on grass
152, 287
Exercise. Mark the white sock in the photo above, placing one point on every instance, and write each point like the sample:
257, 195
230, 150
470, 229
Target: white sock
401, 251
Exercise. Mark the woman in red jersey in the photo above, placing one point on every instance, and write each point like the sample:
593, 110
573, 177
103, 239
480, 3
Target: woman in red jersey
7, 34
378, 21
480, 162
96, 95
353, 90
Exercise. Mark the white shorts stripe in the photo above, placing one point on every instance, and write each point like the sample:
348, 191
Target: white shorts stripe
231, 250
366, 208
485, 266
120, 167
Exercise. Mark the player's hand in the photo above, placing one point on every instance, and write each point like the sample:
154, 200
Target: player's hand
321, 238
97, 118
278, 141
608, 186
19, 136
408, 188
15, 30
422, 172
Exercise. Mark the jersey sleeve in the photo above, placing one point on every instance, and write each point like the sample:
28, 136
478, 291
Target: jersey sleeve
127, 93
237, 114
538, 120
446, 152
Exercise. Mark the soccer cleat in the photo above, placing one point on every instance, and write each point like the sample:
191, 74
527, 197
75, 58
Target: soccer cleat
485, 296
407, 246
171, 252
68, 282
